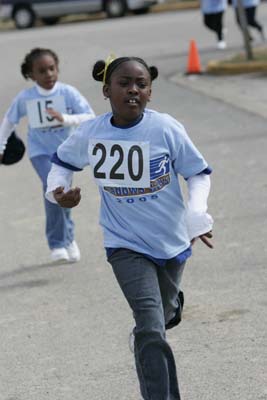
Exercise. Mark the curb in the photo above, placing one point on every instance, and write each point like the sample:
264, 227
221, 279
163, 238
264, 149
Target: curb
217, 68
175, 5
226, 67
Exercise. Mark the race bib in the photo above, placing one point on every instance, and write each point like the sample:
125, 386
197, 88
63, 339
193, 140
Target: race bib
120, 163
37, 115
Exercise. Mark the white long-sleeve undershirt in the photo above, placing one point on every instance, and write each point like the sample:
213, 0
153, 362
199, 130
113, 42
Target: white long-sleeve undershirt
197, 219
76, 119
198, 192
6, 129
58, 176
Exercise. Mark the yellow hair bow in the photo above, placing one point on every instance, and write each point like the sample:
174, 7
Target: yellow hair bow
108, 61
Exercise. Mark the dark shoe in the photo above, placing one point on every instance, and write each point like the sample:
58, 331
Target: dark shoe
178, 317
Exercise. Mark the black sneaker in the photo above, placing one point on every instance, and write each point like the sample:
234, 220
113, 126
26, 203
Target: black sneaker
178, 317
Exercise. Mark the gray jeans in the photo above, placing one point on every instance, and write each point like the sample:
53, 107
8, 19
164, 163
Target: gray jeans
153, 295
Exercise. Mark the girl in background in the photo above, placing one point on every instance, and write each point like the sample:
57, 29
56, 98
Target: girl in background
213, 12
52, 108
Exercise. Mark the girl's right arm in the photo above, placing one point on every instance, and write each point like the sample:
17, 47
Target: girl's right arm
72, 155
5, 131
59, 187
16, 111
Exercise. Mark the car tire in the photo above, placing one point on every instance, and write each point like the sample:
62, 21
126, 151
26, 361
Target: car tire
115, 8
23, 17
50, 20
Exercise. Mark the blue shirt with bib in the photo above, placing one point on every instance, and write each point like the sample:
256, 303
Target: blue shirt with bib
45, 134
137, 172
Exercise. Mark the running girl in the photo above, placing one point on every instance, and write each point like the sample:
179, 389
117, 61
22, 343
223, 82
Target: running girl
136, 155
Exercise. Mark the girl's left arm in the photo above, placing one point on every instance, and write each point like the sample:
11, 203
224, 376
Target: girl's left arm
76, 119
199, 222
81, 109
70, 119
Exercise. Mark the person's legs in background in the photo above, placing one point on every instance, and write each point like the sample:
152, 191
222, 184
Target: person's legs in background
59, 225
239, 24
251, 20
214, 21
209, 21
219, 24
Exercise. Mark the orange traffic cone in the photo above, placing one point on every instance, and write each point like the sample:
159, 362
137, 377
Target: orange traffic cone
193, 64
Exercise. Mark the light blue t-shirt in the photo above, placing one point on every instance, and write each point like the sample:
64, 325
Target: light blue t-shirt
247, 3
213, 6
137, 172
44, 134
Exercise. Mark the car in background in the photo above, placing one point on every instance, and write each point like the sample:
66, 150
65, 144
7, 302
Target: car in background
25, 12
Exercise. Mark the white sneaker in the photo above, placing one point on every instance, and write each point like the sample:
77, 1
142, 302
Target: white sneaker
59, 255
131, 342
73, 252
221, 45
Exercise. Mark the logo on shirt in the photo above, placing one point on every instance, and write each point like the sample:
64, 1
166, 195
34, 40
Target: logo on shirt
159, 178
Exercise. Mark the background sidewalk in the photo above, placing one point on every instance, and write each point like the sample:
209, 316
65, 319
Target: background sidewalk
245, 91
